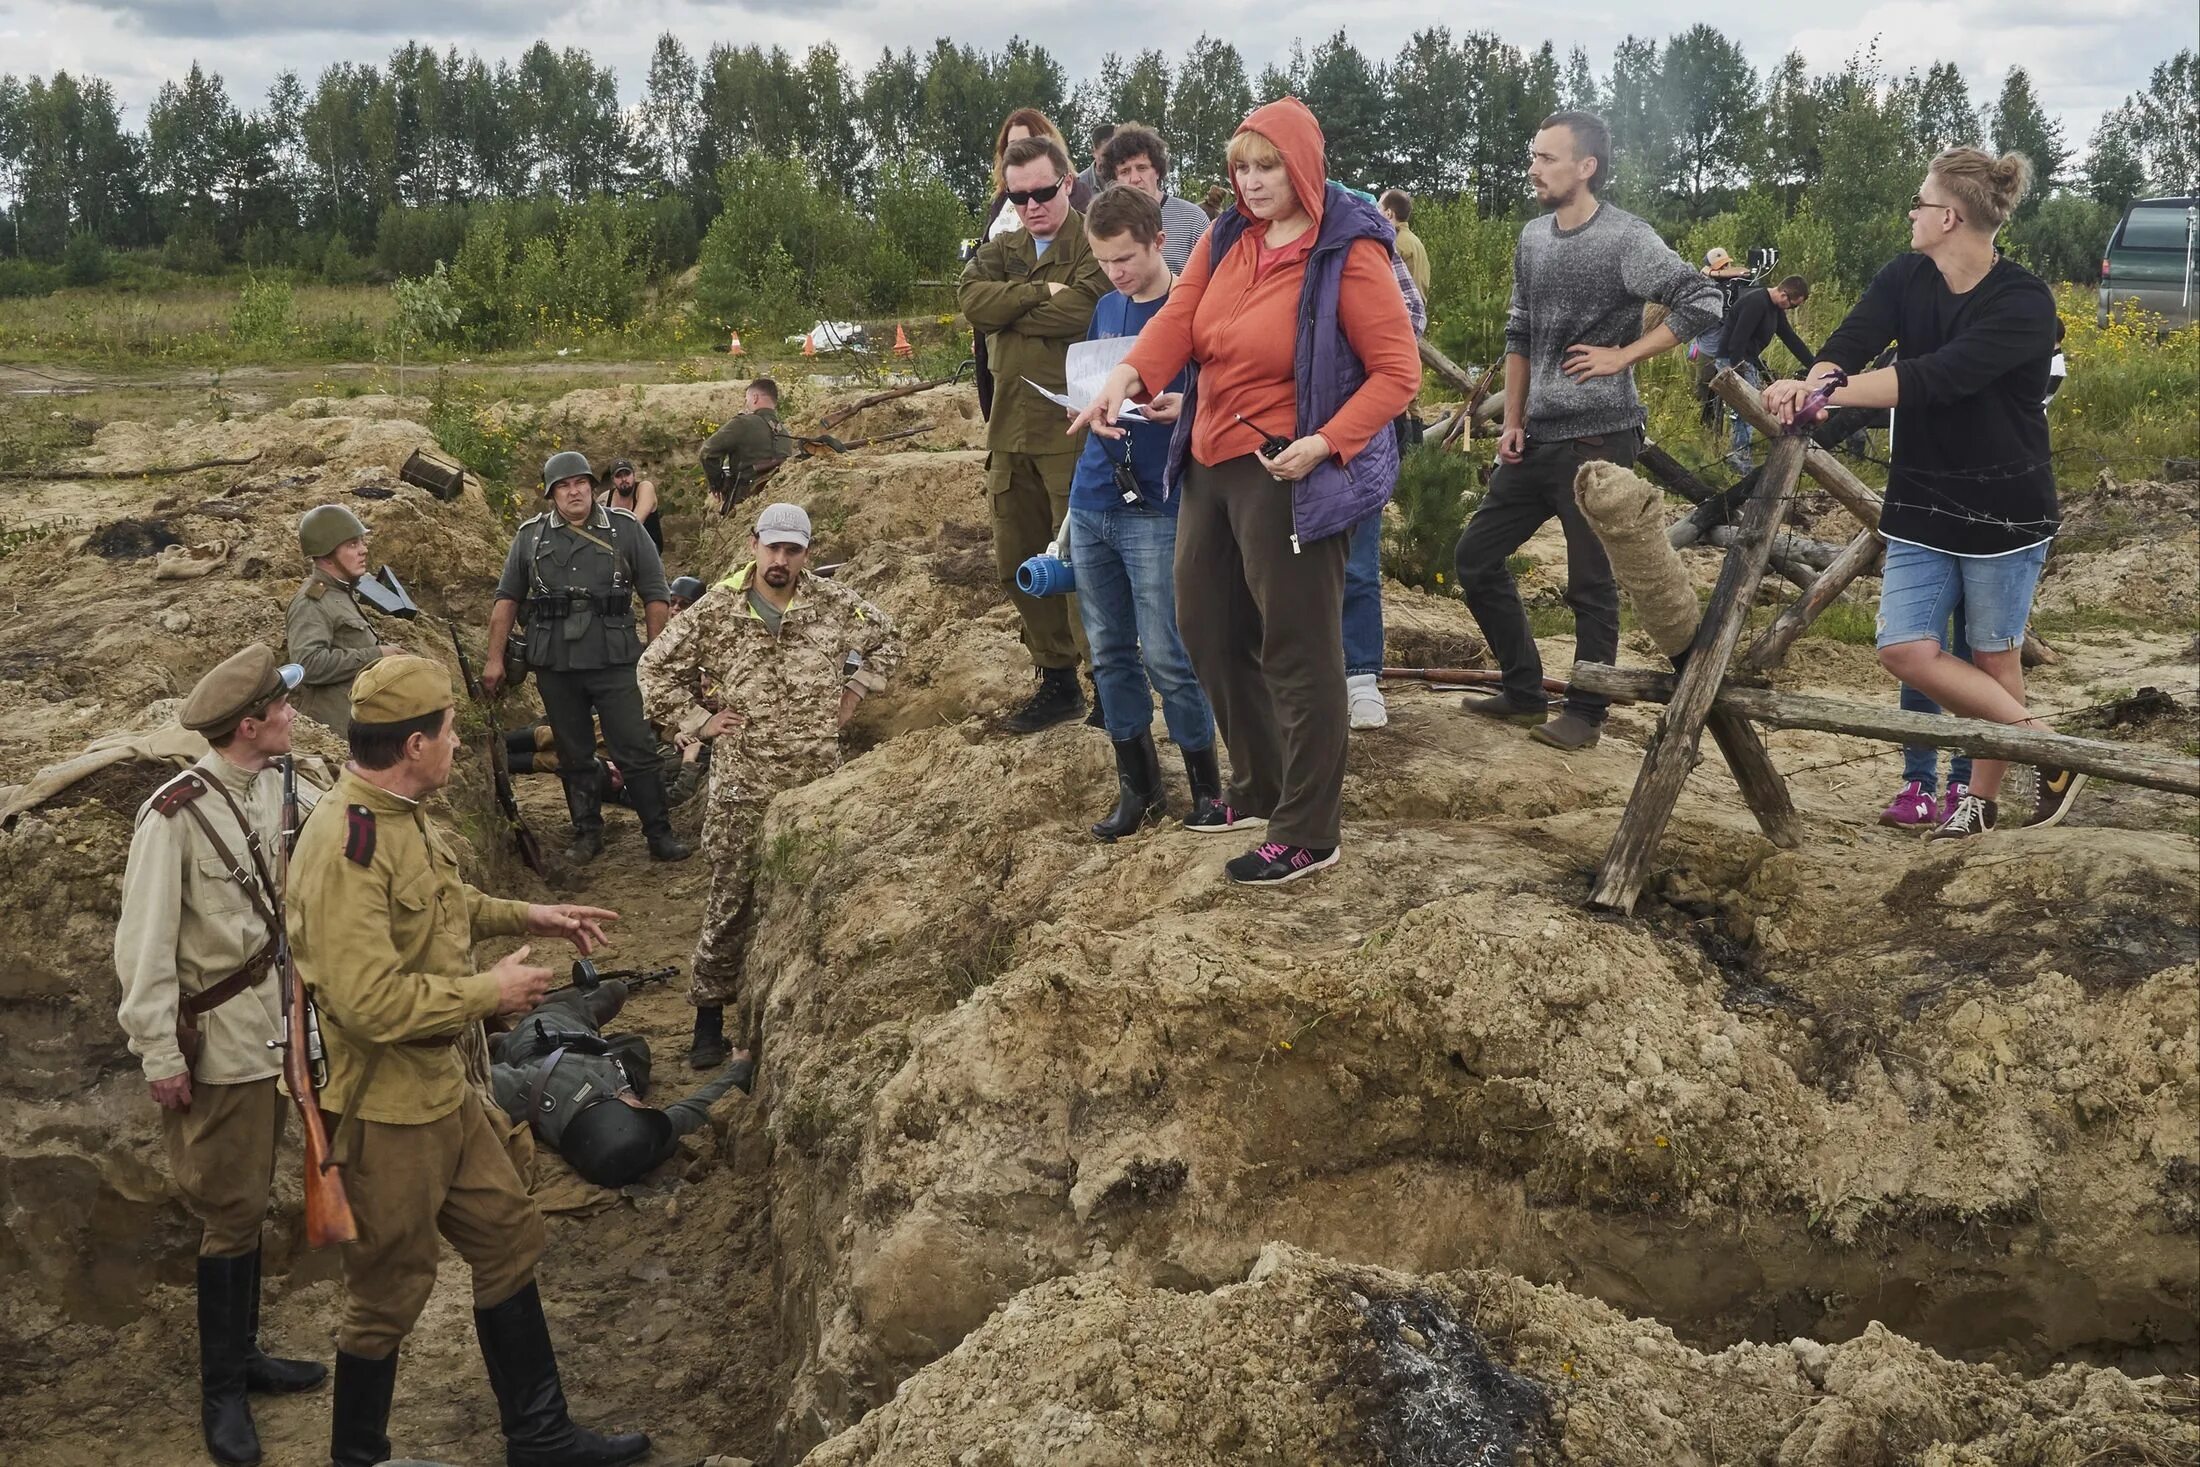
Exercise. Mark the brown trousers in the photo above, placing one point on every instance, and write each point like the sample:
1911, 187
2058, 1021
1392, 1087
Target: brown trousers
408, 1184
1261, 625
1028, 498
221, 1153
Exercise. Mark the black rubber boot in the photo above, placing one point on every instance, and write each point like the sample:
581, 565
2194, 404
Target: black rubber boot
646, 792
359, 1417
225, 1313
523, 1371
584, 802
1056, 701
1205, 777
1138, 798
267, 1374
709, 1048
1098, 717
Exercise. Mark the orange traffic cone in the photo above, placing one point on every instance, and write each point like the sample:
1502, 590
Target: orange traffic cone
902, 348
733, 344
809, 345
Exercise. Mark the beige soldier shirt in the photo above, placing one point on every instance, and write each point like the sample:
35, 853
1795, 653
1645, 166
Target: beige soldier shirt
720, 654
329, 637
383, 932
187, 923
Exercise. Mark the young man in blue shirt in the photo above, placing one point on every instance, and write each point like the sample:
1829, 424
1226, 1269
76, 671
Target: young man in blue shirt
1122, 542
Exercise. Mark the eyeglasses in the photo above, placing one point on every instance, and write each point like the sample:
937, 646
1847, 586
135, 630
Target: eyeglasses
1919, 201
1022, 196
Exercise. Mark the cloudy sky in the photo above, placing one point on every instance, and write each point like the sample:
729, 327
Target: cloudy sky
2084, 57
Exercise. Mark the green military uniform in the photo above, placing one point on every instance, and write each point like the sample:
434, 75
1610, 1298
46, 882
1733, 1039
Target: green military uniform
785, 680
383, 931
576, 585
329, 637
1030, 460
744, 446
195, 942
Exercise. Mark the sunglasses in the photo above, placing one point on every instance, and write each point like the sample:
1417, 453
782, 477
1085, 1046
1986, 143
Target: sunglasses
1919, 201
1021, 197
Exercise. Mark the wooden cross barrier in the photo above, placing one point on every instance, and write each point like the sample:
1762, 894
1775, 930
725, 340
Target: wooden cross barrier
1711, 688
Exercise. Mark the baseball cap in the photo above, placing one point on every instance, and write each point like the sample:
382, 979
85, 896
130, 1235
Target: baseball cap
1715, 257
783, 524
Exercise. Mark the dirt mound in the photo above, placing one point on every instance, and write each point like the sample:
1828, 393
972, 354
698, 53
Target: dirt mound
2132, 550
1310, 1360
1003, 1053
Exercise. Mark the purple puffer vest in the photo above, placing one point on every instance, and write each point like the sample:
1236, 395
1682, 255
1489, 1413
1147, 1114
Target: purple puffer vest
1333, 498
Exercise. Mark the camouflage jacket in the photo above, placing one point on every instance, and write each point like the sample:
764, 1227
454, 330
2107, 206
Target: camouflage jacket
720, 654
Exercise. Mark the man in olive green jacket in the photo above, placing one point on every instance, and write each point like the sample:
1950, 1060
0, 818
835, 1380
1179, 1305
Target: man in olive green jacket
1031, 293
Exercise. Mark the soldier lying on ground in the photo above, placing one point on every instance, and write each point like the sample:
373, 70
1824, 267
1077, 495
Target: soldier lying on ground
583, 1094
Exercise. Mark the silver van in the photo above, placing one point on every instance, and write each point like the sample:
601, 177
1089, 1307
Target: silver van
2151, 258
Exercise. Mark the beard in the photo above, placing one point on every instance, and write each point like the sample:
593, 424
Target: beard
776, 576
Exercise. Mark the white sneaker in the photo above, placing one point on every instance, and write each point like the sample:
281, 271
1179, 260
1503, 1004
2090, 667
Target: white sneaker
1364, 701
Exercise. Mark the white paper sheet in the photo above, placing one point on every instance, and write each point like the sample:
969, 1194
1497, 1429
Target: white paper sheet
1087, 368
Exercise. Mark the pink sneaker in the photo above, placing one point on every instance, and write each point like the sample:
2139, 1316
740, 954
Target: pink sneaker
1911, 809
1950, 800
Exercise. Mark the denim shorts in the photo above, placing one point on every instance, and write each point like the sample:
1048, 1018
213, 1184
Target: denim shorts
1920, 588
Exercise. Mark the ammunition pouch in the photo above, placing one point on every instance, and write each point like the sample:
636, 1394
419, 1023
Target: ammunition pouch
548, 606
613, 605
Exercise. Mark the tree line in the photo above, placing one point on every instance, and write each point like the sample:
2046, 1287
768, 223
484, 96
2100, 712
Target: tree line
340, 176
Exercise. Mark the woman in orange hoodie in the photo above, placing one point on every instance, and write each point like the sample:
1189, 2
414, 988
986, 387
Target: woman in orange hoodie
1290, 309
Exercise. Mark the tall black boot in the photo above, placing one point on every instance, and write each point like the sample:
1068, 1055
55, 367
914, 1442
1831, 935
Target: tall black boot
1138, 797
266, 1373
523, 1371
646, 792
1057, 700
584, 802
359, 1417
709, 1048
1205, 776
225, 1417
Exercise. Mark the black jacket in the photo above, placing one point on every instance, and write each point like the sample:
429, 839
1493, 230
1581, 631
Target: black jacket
1971, 473
1752, 324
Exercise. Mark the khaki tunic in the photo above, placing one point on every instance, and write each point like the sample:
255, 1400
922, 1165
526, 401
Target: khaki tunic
743, 445
187, 923
383, 931
1028, 329
330, 638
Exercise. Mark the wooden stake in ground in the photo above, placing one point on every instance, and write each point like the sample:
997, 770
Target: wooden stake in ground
842, 415
1673, 748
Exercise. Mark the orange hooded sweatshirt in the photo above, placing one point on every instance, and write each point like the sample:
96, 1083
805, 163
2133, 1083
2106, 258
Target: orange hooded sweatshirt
1239, 321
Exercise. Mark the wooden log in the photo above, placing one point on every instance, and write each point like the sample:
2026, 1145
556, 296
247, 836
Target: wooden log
2139, 764
1673, 749
842, 415
1787, 545
1771, 647
1447, 369
68, 475
1763, 787
1670, 473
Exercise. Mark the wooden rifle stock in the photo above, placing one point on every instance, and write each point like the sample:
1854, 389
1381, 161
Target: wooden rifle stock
1472, 677
328, 1208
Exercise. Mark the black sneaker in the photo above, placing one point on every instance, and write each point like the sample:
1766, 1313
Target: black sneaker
1213, 817
1973, 815
1275, 863
1056, 701
2058, 793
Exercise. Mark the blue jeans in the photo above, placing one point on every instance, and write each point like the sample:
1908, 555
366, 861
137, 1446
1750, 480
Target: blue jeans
1738, 458
1126, 595
1920, 588
1363, 598
1921, 762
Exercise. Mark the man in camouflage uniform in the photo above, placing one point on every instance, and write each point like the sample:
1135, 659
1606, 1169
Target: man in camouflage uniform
194, 948
578, 567
583, 1094
383, 932
328, 633
745, 445
770, 664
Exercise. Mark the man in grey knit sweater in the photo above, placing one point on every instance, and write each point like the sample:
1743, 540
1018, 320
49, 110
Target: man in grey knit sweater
1581, 275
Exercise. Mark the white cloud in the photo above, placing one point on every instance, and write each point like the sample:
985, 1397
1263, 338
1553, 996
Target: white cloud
2083, 59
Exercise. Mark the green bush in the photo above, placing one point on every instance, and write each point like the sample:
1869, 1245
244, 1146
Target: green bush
84, 260
192, 250
339, 266
263, 313
1470, 278
2064, 238
262, 248
1435, 494
412, 241
19, 277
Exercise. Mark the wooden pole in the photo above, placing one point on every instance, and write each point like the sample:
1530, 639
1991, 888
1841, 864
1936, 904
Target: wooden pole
1759, 779
1447, 369
1670, 473
2139, 764
1673, 748
1771, 648
1787, 545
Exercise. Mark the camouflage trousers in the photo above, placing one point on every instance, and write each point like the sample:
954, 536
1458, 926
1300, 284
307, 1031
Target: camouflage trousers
732, 832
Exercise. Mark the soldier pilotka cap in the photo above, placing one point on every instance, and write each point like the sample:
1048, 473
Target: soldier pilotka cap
783, 524
397, 689
239, 688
